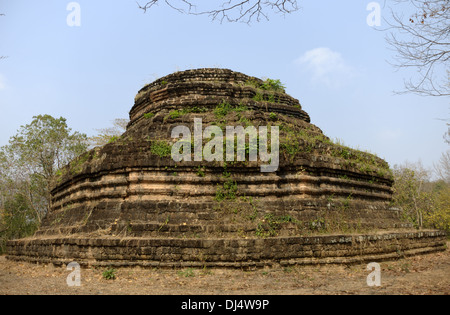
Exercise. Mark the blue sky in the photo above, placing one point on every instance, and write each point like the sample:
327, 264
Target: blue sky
326, 54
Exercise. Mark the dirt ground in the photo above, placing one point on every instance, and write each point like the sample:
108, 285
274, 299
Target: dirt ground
420, 275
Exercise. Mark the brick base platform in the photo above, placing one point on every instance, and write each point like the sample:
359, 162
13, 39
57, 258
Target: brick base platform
239, 253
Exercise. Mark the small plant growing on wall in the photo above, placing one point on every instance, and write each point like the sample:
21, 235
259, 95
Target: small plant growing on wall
109, 274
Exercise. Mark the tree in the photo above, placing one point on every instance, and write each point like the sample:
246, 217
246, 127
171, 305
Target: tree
442, 168
421, 41
231, 11
17, 219
410, 192
424, 203
29, 163
105, 135
439, 216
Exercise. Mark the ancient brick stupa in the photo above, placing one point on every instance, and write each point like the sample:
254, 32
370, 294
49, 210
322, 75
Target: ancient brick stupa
130, 203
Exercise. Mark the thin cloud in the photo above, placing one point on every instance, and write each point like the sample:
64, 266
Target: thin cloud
327, 67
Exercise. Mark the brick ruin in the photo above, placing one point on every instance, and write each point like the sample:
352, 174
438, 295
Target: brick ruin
129, 204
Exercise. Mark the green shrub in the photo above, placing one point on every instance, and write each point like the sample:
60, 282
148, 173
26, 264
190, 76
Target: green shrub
274, 85
187, 273
17, 220
175, 114
273, 116
113, 139
228, 191
161, 148
109, 274
225, 108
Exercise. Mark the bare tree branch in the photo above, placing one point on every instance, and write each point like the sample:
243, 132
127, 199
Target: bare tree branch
421, 41
447, 135
442, 168
105, 135
231, 10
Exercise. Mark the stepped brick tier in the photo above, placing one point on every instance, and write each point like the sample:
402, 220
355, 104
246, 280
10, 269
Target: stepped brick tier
129, 203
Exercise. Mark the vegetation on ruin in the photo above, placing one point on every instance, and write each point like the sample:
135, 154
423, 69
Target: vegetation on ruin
201, 171
294, 142
76, 166
47, 151
149, 115
161, 148
270, 225
273, 85
267, 85
227, 191
110, 134
224, 108
174, 114
113, 139
339, 218
109, 274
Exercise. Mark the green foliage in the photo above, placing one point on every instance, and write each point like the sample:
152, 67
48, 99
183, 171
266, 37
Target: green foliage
271, 98
149, 115
423, 203
317, 225
113, 139
267, 85
174, 114
177, 113
161, 148
270, 225
32, 161
439, 216
47, 144
253, 83
273, 85
109, 274
294, 142
261, 231
253, 206
187, 273
410, 194
201, 171
224, 108
76, 166
259, 97
346, 202
17, 219
228, 191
